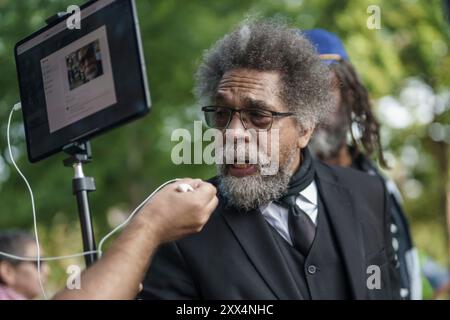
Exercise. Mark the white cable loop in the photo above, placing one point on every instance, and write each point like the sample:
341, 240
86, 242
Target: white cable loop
38, 257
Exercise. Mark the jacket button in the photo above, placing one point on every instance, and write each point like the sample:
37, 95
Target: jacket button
312, 269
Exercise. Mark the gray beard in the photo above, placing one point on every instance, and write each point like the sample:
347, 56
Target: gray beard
257, 190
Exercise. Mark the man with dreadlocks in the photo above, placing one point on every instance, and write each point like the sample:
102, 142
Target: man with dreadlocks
352, 116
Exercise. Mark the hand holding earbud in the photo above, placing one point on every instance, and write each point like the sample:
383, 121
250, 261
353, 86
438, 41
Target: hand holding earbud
179, 209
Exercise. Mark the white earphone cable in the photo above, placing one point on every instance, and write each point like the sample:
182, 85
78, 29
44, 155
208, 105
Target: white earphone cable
120, 226
38, 257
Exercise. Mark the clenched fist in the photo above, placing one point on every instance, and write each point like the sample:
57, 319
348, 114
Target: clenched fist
172, 214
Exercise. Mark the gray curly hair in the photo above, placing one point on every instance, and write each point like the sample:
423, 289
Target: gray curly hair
270, 46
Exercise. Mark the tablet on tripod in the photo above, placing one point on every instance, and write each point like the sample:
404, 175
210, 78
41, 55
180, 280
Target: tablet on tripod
76, 84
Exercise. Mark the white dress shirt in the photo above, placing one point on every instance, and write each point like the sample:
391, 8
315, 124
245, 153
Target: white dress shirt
277, 216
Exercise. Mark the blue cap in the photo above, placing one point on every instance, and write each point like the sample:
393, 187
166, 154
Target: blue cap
327, 44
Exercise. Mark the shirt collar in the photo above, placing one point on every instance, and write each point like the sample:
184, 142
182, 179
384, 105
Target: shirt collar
310, 193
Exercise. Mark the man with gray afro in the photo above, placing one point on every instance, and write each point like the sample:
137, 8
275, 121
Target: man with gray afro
287, 226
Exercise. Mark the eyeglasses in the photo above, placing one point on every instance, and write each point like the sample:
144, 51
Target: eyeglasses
219, 117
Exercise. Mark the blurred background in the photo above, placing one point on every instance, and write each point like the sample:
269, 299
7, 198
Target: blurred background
405, 65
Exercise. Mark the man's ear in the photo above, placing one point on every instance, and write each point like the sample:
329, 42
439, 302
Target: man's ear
7, 273
305, 136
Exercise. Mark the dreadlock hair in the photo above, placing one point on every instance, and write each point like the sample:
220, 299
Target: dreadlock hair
359, 111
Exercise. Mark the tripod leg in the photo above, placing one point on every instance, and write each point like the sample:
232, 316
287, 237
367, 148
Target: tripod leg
87, 231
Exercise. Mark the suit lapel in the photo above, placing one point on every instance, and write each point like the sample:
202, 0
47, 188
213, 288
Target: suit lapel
253, 234
346, 226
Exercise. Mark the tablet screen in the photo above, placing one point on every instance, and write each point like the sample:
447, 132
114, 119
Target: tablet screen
76, 84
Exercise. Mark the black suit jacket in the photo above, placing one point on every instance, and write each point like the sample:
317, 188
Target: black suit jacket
235, 256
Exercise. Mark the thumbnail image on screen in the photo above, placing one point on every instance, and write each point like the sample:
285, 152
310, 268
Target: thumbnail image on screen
78, 80
84, 65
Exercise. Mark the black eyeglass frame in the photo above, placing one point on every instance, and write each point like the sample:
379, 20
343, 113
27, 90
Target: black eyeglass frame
273, 114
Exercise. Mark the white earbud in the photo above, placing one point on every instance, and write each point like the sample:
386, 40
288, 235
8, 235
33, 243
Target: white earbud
184, 187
